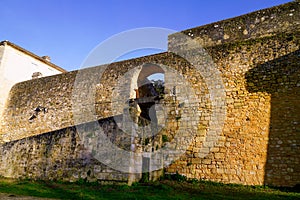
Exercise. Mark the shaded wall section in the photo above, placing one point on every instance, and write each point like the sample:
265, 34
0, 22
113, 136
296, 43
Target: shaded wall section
61, 155
281, 78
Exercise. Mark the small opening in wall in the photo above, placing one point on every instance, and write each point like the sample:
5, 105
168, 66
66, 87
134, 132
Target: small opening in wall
37, 75
150, 89
36, 112
150, 81
158, 81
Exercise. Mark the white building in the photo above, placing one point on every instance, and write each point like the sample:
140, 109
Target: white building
18, 64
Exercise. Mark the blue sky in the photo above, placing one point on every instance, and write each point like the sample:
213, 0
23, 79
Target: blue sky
67, 30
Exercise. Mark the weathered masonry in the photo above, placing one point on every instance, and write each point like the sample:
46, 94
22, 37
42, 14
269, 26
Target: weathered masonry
256, 57
18, 64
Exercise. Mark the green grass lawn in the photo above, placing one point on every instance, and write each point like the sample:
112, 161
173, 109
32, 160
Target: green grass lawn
164, 189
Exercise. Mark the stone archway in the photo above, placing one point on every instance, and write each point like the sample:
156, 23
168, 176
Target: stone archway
145, 87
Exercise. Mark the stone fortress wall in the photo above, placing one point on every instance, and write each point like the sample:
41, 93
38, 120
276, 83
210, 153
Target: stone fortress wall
257, 56
17, 65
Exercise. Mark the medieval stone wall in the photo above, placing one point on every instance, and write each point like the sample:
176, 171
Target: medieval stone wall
81, 96
59, 93
57, 155
260, 138
258, 143
258, 24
